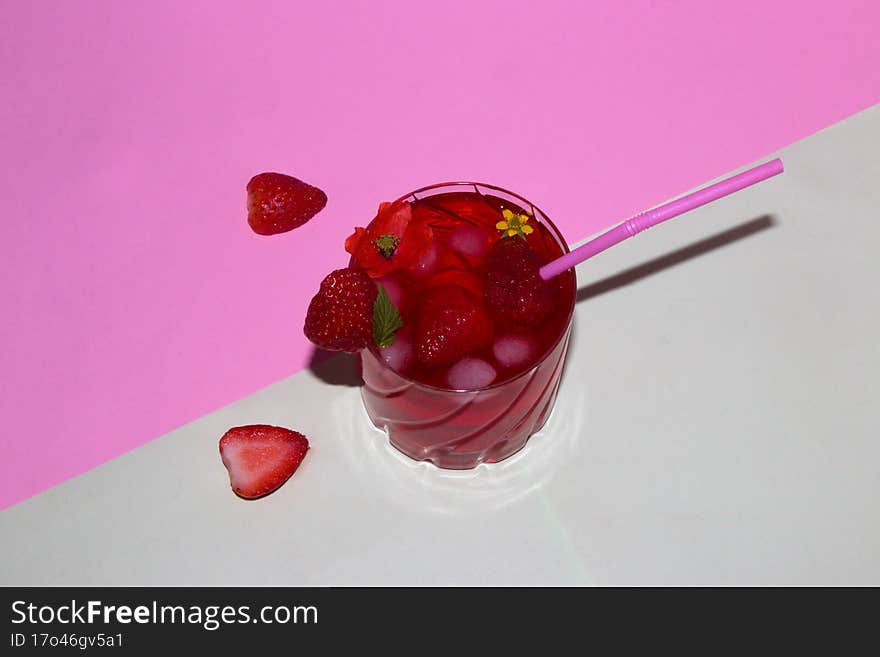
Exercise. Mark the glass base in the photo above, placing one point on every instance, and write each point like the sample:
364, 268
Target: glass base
458, 430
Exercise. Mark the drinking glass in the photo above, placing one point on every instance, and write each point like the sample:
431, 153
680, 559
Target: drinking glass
459, 429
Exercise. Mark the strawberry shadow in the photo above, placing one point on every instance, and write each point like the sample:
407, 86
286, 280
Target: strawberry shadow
694, 250
336, 368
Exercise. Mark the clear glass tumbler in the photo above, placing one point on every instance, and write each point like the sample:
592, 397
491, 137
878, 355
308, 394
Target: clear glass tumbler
459, 429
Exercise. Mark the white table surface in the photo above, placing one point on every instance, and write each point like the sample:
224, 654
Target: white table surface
718, 424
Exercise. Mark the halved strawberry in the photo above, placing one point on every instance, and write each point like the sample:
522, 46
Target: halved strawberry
278, 203
451, 322
260, 457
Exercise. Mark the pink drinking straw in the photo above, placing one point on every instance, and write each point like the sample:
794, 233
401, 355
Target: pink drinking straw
653, 217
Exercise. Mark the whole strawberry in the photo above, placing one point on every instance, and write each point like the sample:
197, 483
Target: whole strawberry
278, 203
515, 292
340, 316
451, 322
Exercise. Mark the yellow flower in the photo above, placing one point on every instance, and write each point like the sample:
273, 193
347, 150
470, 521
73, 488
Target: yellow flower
515, 224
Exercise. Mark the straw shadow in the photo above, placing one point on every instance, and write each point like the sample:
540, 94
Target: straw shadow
335, 368
343, 369
711, 243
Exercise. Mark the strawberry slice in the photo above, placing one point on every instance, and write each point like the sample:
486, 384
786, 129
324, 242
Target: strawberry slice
465, 206
260, 457
278, 203
466, 279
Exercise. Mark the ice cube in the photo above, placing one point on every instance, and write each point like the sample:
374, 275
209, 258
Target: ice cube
427, 262
399, 356
469, 241
470, 373
514, 350
393, 287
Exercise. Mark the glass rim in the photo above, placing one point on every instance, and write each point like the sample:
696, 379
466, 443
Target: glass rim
557, 235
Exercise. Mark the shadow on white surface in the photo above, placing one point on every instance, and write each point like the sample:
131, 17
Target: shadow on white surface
676, 257
335, 368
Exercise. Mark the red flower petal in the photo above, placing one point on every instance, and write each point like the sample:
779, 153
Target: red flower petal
415, 238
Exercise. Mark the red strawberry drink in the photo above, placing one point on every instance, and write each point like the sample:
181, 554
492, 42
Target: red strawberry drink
468, 341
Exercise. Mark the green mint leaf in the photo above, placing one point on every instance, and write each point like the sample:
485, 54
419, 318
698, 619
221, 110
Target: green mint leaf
386, 319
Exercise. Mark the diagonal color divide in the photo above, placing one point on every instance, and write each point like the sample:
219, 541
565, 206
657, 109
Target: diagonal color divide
135, 298
732, 443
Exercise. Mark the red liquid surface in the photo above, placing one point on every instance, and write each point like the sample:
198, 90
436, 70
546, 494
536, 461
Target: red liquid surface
424, 416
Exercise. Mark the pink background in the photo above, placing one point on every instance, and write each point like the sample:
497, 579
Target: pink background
135, 298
